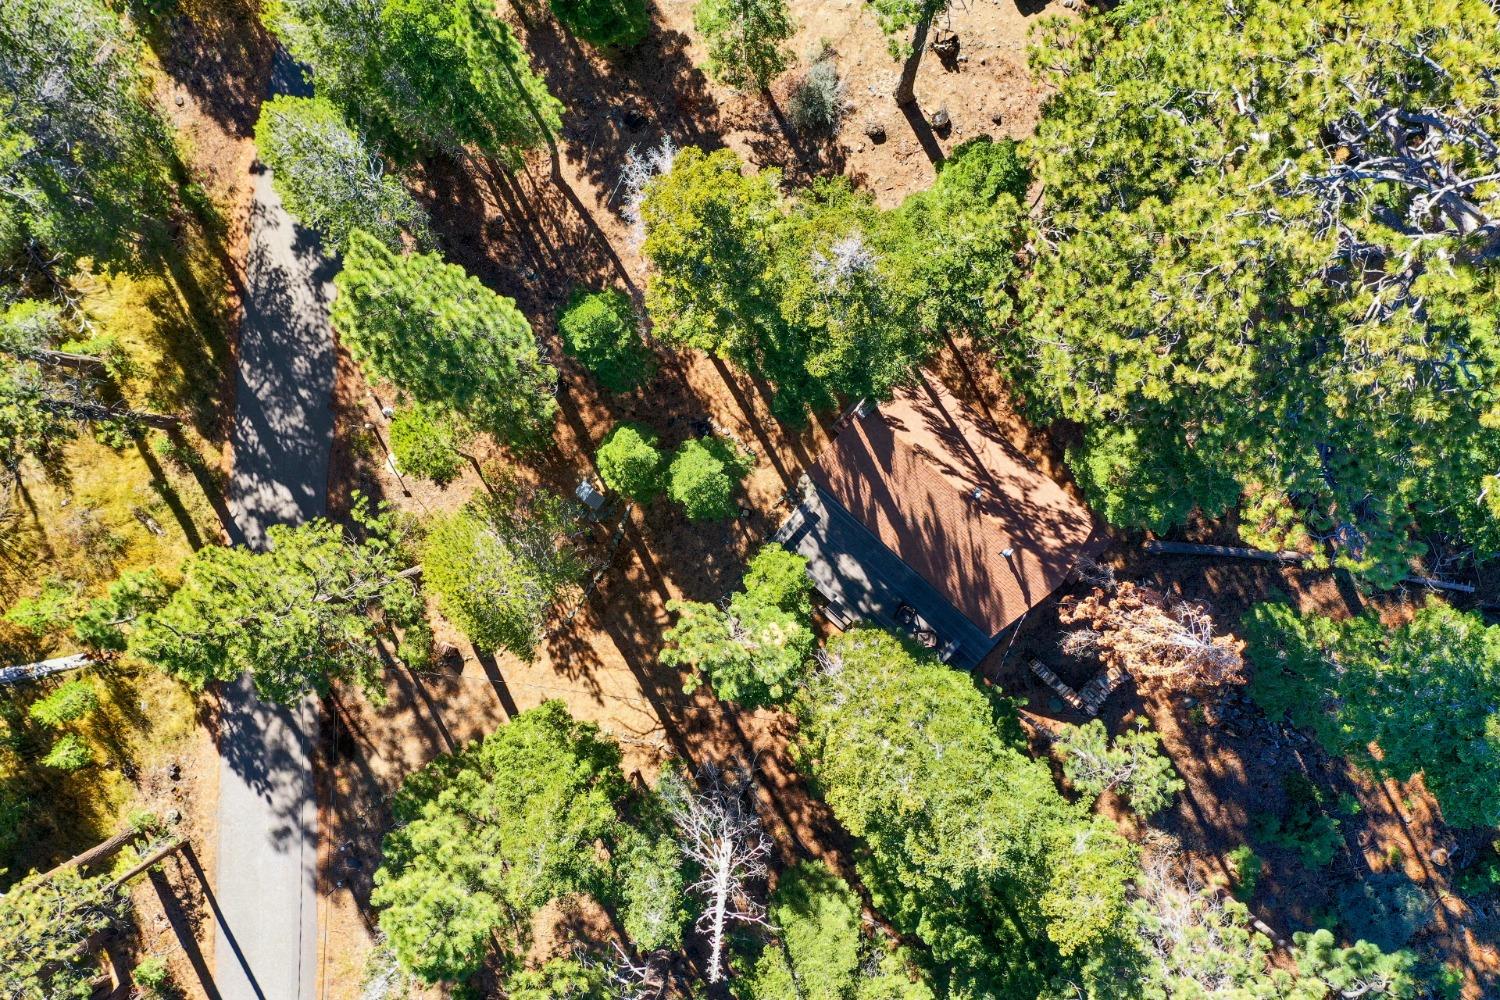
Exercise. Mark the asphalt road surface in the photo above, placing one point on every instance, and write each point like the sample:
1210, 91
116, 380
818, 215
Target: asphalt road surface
266, 944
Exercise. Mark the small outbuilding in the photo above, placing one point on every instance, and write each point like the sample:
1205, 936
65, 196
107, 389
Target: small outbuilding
922, 517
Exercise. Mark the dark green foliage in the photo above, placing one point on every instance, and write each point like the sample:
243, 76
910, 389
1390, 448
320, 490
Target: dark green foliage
653, 893
601, 330
630, 463
428, 441
69, 753
421, 75
1386, 908
500, 564
965, 842
1425, 693
439, 335
314, 607
981, 170
486, 837
82, 149
1280, 296
1146, 478
754, 650
605, 23
1132, 765
702, 478
44, 922
329, 179
898, 17
826, 295
1246, 866
106, 623
1304, 827
745, 40
560, 979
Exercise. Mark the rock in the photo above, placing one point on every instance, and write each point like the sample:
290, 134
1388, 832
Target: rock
181, 100
1439, 856
632, 119
998, 118
875, 131
175, 771
173, 817
945, 44
941, 120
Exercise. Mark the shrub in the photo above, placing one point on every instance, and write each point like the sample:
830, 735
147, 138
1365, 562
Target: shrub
153, 976
603, 22
600, 330
69, 753
702, 479
985, 168
1305, 828
630, 463
428, 441
69, 703
1246, 866
816, 102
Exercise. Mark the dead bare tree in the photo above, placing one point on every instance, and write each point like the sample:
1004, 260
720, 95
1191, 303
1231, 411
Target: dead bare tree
719, 830
1161, 644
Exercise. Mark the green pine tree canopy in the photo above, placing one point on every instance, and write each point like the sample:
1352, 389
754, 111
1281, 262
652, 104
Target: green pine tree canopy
317, 606
421, 75
440, 336
1267, 267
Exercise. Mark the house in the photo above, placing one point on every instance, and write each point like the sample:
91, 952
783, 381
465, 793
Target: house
920, 516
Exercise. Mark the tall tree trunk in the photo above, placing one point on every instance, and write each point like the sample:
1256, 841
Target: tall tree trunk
906, 88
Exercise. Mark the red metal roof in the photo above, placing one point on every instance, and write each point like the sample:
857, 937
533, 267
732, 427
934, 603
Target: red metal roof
908, 471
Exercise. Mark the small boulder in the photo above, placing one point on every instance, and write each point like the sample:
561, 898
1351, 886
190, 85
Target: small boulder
875, 131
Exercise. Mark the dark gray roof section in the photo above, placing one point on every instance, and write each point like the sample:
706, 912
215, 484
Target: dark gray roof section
861, 578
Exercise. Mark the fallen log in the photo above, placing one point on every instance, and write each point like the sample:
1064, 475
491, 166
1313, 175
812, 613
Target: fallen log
99, 852
23, 672
1427, 581
150, 861
1224, 551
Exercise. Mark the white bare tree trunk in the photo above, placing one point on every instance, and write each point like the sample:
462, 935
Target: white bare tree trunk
718, 828
24, 672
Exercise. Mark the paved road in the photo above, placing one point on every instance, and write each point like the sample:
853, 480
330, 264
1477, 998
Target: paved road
266, 947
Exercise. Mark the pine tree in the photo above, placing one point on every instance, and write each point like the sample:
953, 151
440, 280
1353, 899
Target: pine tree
1425, 693
499, 565
1252, 286
317, 606
82, 147
967, 844
754, 650
440, 336
45, 921
329, 179
745, 39
422, 75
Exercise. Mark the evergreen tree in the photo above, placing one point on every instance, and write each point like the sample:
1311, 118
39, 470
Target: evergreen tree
315, 607
1425, 693
329, 179
630, 463
1277, 285
421, 75
1132, 765
500, 564
439, 335
600, 329
708, 238
82, 147
702, 477
605, 23
44, 923
429, 441
486, 837
754, 650
966, 843
745, 40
